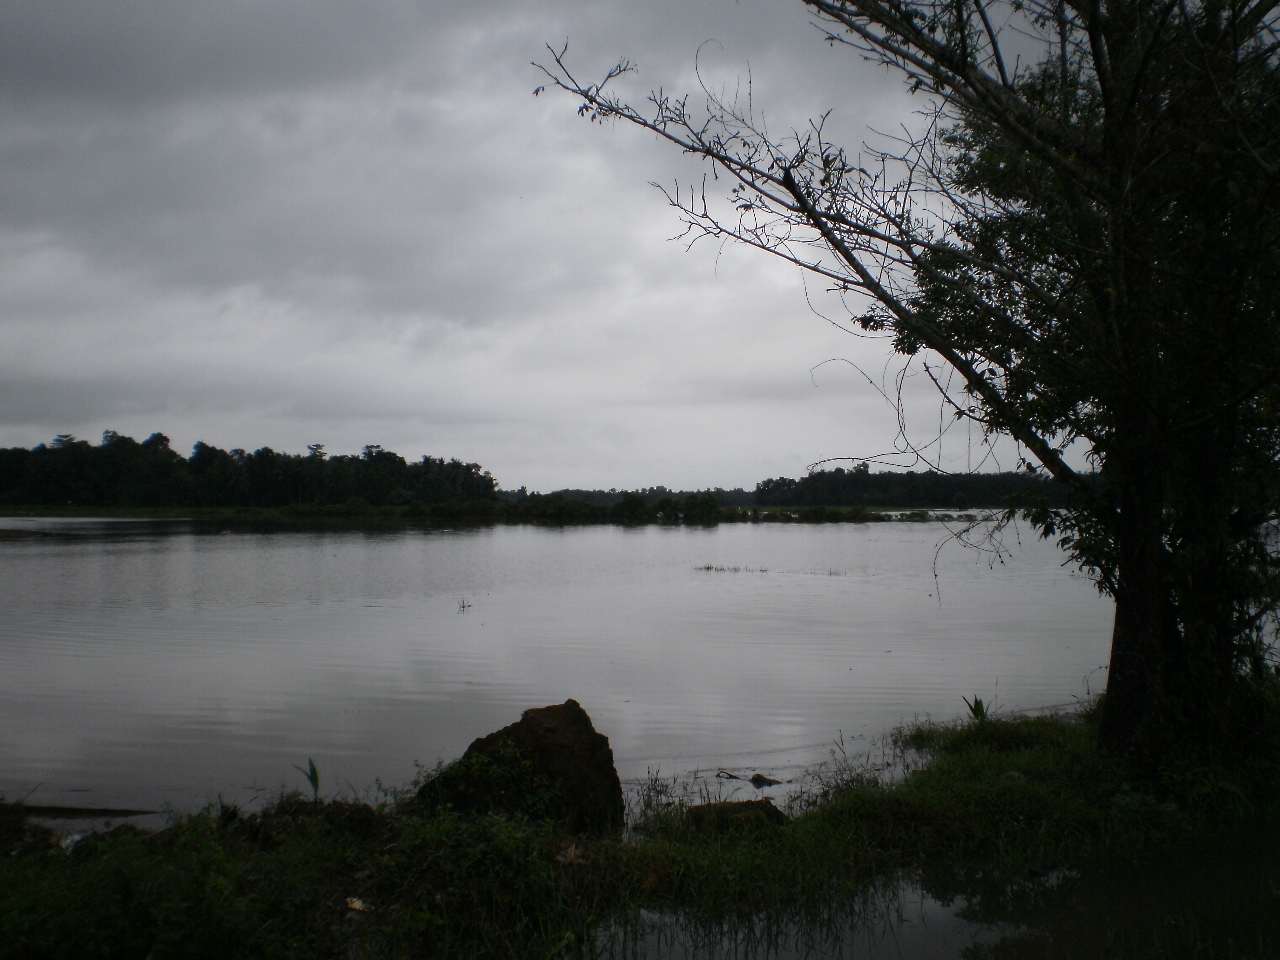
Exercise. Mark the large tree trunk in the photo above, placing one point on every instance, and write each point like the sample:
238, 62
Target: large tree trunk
1173, 687
1144, 641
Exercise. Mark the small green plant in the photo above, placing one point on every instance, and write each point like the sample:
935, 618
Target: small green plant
313, 777
978, 710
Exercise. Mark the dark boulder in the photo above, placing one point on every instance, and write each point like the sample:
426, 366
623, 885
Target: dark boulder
735, 815
551, 764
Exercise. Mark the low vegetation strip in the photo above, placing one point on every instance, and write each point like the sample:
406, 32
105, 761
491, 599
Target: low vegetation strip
548, 510
908, 490
1005, 811
122, 474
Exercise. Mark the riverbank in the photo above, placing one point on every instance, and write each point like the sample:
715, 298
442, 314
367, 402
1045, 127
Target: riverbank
1016, 815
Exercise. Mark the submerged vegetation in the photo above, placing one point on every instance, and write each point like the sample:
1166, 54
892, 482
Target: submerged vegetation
1023, 817
552, 509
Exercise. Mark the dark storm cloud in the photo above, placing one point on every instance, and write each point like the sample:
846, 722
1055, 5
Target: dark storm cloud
231, 154
138, 50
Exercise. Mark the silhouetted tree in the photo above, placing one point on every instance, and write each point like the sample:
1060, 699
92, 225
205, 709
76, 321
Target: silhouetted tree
667, 509
1081, 248
907, 490
700, 508
122, 472
215, 476
632, 508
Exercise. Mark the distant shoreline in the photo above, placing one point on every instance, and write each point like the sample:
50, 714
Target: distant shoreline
481, 513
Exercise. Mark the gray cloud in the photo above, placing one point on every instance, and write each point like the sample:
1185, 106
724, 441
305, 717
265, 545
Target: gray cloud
142, 50
278, 223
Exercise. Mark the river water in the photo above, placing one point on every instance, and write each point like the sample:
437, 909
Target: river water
157, 664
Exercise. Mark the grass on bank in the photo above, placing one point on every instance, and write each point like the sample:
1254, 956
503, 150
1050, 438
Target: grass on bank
998, 803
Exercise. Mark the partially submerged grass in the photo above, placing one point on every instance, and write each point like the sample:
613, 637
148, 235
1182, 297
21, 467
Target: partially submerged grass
984, 803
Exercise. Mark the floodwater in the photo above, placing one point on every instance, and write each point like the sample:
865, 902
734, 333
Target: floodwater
161, 665
1219, 901
154, 664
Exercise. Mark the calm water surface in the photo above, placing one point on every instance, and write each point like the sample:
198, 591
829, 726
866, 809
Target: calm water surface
152, 664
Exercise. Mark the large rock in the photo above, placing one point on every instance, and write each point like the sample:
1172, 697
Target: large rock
551, 764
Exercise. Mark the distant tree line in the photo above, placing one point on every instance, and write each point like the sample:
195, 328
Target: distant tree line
860, 487
629, 507
121, 472
726, 498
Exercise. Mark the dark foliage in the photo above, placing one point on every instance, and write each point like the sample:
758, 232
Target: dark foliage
120, 472
909, 491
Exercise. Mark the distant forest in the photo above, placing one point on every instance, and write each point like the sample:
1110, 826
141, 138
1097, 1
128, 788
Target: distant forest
121, 472
860, 487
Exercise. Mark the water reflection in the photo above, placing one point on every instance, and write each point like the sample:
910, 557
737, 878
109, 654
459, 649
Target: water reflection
1219, 900
895, 922
1222, 901
147, 664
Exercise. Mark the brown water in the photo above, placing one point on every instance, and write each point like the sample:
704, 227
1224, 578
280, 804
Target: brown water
144, 664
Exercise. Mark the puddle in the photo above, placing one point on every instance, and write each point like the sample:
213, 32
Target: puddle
898, 923
1220, 901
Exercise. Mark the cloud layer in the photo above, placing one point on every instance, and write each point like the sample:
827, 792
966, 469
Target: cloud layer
275, 223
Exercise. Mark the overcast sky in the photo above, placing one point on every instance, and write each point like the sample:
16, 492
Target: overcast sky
282, 222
